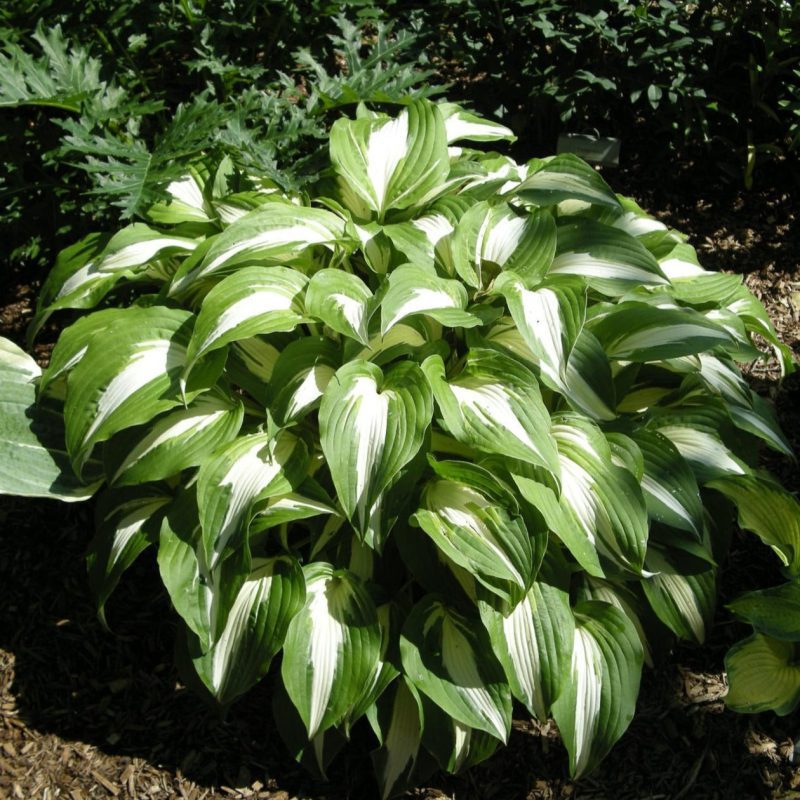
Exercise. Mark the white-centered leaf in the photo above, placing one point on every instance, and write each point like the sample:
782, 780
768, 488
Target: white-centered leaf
33, 456
685, 603
599, 697
414, 290
566, 177
764, 675
275, 232
185, 204
301, 374
254, 300
460, 124
175, 441
695, 432
126, 522
641, 332
372, 425
310, 500
608, 259
342, 301
670, 488
87, 271
463, 510
605, 499
448, 658
533, 640
129, 378
332, 648
494, 405
73, 342
769, 511
250, 364
551, 321
397, 717
271, 595
392, 162
489, 238
247, 469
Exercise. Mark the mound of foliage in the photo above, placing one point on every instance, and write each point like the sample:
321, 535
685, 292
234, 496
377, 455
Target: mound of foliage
441, 432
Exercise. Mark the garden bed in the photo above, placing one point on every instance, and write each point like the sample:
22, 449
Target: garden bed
89, 714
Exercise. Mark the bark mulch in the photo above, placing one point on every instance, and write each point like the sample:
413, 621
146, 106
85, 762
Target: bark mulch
87, 713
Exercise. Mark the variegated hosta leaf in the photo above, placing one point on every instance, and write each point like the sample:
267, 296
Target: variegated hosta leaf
180, 439
566, 177
491, 238
392, 163
301, 374
754, 315
203, 597
669, 486
372, 425
415, 240
599, 697
768, 510
332, 647
764, 675
250, 365
476, 523
455, 746
685, 603
533, 640
126, 522
640, 332
185, 204
386, 670
33, 456
413, 290
605, 499
74, 340
747, 410
397, 719
460, 124
254, 300
541, 492
608, 259
256, 626
695, 432
87, 271
139, 244
774, 612
342, 301
551, 322
180, 568
310, 500
405, 338
273, 233
621, 597
448, 658
247, 469
494, 405
128, 378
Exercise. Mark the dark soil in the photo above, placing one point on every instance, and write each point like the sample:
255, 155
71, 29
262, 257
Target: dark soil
85, 713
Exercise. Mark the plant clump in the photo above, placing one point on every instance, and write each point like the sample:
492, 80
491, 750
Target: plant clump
443, 432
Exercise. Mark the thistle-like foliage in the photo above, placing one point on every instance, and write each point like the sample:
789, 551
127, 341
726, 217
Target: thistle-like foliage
442, 434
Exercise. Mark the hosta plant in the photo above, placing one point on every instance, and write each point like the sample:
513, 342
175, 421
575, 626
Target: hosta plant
445, 433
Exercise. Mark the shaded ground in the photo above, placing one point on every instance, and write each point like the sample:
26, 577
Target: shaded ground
88, 714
